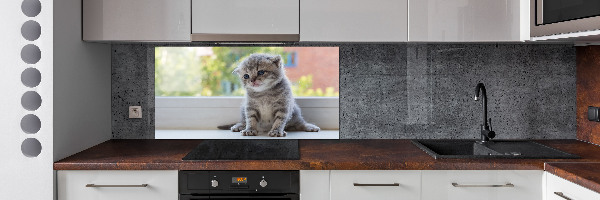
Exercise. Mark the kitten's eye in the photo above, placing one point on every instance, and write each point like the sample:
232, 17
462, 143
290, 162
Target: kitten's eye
246, 76
261, 72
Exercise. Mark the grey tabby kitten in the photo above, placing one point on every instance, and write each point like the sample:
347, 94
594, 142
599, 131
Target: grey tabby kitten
269, 105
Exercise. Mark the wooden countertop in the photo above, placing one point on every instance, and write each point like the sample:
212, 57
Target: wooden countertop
332, 155
314, 155
581, 173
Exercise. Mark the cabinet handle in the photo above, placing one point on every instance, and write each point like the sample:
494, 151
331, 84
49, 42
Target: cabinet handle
505, 185
560, 194
94, 185
361, 184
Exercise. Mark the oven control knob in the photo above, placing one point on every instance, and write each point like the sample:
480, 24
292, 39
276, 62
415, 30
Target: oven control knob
214, 183
263, 183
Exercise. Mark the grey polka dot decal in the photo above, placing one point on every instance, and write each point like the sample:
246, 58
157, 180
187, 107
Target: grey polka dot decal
31, 100
30, 124
31, 30
31, 147
31, 77
31, 54
31, 8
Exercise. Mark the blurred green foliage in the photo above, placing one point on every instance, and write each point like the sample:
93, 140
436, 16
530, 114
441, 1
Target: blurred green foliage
207, 71
303, 88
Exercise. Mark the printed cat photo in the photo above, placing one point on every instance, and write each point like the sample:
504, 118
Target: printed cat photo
268, 106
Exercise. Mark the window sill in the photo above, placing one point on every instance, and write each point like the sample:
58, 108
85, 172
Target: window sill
206, 113
226, 134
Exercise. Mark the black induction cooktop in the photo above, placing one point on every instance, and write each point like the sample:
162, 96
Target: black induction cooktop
245, 150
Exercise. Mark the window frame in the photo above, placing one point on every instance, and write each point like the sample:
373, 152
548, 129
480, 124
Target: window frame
192, 117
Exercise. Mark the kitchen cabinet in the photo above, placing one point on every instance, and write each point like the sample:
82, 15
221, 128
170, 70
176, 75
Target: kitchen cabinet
136, 20
468, 20
561, 189
243, 20
482, 184
354, 20
307, 20
117, 184
378, 184
314, 185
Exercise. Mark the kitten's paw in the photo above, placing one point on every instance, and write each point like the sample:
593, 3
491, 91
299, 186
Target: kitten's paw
277, 133
238, 127
311, 128
249, 132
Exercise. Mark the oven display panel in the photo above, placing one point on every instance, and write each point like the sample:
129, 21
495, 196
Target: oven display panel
239, 180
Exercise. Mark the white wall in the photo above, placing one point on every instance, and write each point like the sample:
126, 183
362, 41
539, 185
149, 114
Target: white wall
24, 177
82, 84
75, 78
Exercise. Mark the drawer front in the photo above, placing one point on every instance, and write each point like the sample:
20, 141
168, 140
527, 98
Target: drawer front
162, 185
566, 189
408, 184
482, 184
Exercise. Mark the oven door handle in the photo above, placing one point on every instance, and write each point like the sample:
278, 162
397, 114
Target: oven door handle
251, 197
245, 196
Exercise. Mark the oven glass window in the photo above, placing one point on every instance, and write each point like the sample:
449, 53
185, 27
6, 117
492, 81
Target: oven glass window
554, 11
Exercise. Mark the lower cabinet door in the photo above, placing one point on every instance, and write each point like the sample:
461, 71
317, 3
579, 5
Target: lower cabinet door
560, 189
482, 184
314, 185
375, 185
117, 184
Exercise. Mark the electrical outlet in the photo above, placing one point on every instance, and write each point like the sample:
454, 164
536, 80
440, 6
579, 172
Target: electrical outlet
135, 111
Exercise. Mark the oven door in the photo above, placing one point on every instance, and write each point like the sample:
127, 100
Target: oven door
236, 197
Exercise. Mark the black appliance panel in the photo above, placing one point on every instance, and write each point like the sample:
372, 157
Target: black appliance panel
276, 182
554, 11
245, 150
278, 197
239, 185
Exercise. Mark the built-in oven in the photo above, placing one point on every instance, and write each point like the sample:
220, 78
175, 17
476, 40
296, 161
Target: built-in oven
234, 185
554, 17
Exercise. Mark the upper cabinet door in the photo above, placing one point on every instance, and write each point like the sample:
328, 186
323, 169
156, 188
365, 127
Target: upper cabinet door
245, 20
354, 20
136, 20
468, 20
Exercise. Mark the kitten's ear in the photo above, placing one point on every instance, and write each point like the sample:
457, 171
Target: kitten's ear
235, 71
276, 59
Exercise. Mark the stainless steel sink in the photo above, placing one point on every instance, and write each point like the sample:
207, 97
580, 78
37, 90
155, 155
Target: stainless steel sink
491, 149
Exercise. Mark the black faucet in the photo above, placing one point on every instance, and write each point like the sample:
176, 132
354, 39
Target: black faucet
486, 130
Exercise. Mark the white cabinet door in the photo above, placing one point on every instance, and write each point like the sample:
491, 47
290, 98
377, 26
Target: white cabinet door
468, 20
354, 20
117, 185
136, 20
561, 189
314, 184
243, 20
371, 185
482, 184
